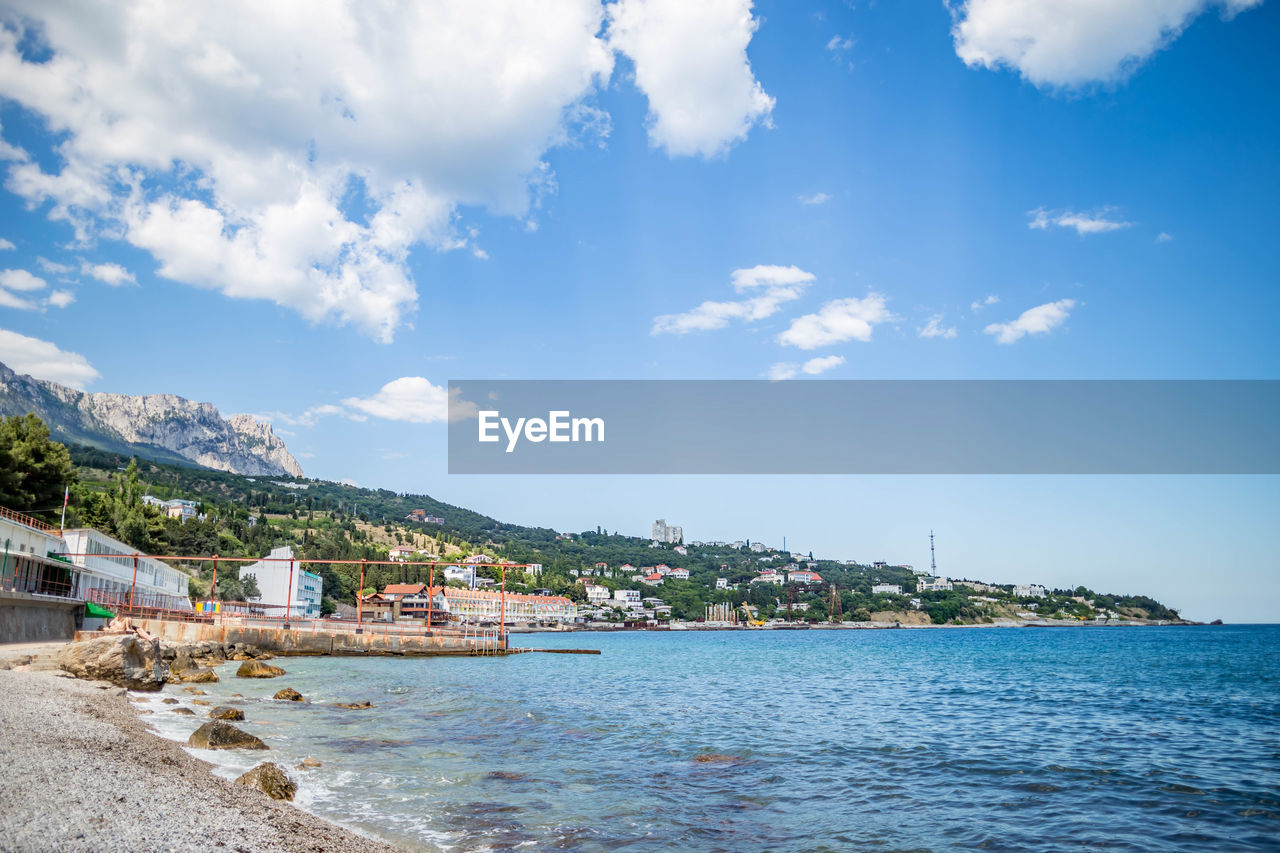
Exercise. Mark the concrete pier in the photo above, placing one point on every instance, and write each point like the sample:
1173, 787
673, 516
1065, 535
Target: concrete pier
282, 641
26, 618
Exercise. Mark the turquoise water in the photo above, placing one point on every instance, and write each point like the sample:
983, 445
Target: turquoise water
999, 739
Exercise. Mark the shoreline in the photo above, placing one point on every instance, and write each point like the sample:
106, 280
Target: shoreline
84, 773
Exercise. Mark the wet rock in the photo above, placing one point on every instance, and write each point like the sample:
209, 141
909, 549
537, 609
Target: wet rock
201, 702
271, 780
220, 735
123, 660
309, 763
169, 700
353, 706
288, 694
257, 669
146, 711
507, 775
222, 712
715, 758
200, 675
194, 691
185, 712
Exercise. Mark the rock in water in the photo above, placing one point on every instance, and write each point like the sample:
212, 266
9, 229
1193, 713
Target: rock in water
186, 712
200, 675
124, 660
222, 712
309, 763
220, 735
289, 694
194, 691
258, 669
169, 701
271, 780
353, 706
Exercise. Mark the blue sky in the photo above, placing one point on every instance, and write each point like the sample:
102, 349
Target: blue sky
918, 191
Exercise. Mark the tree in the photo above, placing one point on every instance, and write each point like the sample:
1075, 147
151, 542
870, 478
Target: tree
34, 469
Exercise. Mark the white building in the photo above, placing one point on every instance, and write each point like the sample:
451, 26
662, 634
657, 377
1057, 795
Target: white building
625, 597
890, 588
1028, 590
668, 534
106, 568
805, 577
678, 574
722, 583
25, 563
770, 576
597, 594
933, 585
534, 569
283, 582
758, 547
462, 574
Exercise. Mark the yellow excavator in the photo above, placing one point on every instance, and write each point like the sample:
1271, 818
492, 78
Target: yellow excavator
751, 620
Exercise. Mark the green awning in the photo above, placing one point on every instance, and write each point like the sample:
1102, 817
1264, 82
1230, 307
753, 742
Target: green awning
92, 610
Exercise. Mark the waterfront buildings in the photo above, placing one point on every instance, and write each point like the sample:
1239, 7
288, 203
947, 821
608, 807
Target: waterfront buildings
597, 594
108, 568
805, 577
926, 584
669, 534
770, 576
627, 596
1028, 590
284, 585
889, 588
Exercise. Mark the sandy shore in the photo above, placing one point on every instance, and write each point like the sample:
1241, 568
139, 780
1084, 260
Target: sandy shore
80, 771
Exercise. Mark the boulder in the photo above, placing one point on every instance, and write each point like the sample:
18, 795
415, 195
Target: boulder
288, 694
353, 706
200, 702
309, 764
194, 691
222, 712
124, 660
199, 675
257, 669
185, 712
220, 735
271, 780
169, 700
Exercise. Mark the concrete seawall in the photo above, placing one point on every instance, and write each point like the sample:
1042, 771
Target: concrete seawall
28, 618
283, 641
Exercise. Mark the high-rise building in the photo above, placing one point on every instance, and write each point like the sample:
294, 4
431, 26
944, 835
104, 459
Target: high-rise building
667, 533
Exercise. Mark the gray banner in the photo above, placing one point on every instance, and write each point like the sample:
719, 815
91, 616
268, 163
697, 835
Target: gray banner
863, 427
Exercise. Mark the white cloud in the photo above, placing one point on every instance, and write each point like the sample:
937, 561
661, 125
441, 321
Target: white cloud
14, 282
112, 274
1072, 43
814, 366
189, 132
779, 285
840, 44
1164, 237
44, 360
1084, 223
935, 329
409, 398
61, 298
838, 321
21, 280
6, 244
1034, 321
53, 267
691, 62
815, 199
978, 304
782, 370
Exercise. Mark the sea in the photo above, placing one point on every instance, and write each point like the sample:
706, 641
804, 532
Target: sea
1122, 738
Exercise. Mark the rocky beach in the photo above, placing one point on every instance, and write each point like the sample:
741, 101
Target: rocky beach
83, 773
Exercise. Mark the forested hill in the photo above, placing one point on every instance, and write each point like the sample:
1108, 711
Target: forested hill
246, 516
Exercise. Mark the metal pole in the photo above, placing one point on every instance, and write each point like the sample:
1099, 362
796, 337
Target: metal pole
360, 601
213, 586
133, 585
502, 625
288, 597
431, 579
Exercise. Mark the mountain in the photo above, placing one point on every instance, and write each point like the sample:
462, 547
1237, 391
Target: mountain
162, 427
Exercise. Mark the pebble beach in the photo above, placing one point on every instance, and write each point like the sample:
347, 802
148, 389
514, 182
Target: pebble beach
81, 772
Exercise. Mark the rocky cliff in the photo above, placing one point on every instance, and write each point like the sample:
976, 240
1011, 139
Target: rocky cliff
157, 426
